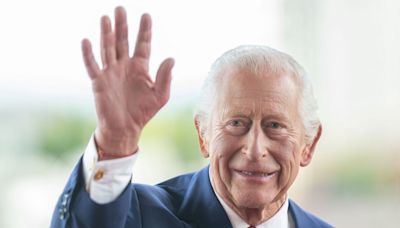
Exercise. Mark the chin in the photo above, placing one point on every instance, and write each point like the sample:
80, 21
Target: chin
256, 200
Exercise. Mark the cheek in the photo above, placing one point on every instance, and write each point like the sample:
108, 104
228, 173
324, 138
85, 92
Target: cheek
223, 146
287, 155
223, 149
286, 150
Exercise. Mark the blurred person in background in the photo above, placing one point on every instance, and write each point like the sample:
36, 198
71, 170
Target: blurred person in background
256, 122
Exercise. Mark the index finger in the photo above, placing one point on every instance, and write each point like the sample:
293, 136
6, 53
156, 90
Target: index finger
143, 41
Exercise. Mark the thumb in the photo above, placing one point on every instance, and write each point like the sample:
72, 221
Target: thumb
163, 79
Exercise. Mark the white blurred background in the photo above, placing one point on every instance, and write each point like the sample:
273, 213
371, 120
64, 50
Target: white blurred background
350, 48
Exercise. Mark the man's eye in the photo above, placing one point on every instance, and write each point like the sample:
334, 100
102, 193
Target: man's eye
274, 125
236, 123
237, 127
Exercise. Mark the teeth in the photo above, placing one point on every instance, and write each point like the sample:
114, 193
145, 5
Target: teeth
258, 174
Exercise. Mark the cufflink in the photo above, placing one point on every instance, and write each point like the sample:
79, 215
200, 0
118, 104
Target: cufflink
98, 175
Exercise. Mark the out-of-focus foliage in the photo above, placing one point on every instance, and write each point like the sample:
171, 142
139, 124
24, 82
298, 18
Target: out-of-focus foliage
361, 174
60, 134
176, 129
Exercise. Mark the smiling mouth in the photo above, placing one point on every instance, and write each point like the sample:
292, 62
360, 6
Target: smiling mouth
256, 174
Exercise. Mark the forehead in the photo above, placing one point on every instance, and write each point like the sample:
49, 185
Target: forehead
242, 91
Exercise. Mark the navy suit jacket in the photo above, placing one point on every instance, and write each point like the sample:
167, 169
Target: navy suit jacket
183, 201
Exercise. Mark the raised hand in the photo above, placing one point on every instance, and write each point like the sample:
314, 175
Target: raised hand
126, 97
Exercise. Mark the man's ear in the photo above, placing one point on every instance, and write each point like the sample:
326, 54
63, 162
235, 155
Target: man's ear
309, 149
202, 141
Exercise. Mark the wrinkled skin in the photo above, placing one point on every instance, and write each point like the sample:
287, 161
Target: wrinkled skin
125, 95
256, 142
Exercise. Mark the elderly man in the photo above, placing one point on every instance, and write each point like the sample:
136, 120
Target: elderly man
256, 123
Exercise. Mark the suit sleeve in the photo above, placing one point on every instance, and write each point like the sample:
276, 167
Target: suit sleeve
75, 208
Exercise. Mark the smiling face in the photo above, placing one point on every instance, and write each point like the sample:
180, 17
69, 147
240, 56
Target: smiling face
256, 141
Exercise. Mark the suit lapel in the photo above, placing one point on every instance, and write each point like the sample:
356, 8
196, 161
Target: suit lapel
200, 206
300, 217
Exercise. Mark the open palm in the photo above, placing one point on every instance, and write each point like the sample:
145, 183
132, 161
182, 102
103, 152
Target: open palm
126, 97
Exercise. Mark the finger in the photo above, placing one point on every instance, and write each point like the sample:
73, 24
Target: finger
121, 32
163, 79
90, 63
143, 41
108, 55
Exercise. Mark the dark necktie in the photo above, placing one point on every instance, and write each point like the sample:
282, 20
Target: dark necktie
252, 227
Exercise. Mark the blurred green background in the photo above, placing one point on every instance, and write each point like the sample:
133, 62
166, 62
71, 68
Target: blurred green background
349, 48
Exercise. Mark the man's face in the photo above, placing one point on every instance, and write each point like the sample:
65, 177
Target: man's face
256, 142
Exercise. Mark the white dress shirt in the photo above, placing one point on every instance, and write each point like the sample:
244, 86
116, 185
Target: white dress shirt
106, 180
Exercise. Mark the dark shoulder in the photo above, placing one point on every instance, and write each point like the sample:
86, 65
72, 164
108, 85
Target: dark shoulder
168, 193
303, 218
177, 184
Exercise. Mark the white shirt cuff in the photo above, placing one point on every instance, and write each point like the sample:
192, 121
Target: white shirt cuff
106, 180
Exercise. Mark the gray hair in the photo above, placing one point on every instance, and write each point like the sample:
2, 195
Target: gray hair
258, 59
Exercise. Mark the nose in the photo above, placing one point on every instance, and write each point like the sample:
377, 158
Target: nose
256, 147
